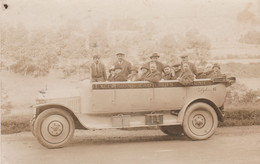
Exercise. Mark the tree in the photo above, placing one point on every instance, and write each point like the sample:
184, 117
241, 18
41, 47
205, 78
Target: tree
198, 43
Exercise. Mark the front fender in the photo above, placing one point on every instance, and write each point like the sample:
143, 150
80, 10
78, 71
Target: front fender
41, 107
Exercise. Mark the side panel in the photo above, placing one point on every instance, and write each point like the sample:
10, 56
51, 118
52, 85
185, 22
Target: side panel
133, 100
169, 98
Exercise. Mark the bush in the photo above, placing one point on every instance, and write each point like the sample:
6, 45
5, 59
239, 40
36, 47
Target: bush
5, 103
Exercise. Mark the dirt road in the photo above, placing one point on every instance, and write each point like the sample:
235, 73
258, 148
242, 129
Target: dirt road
229, 145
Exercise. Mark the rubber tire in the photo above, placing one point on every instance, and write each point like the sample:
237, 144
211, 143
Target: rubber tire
197, 107
173, 130
46, 114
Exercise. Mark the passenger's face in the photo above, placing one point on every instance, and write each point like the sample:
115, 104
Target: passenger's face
154, 59
185, 67
167, 70
208, 68
96, 60
185, 59
118, 71
216, 70
153, 68
120, 57
200, 69
144, 70
177, 68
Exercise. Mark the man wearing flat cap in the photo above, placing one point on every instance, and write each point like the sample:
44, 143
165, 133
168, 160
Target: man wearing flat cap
125, 65
185, 59
98, 70
177, 71
167, 73
154, 60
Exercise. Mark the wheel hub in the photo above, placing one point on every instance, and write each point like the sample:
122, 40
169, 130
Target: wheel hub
55, 128
198, 121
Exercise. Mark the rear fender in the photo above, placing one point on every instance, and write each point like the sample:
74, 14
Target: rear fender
219, 113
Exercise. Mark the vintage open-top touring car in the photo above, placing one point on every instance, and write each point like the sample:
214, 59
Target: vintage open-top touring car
174, 108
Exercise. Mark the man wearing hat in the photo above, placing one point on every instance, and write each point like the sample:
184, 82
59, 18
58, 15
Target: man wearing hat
98, 70
125, 65
167, 73
177, 71
144, 73
119, 75
192, 67
134, 74
154, 60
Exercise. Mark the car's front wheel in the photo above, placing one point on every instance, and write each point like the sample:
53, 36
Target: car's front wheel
54, 128
200, 121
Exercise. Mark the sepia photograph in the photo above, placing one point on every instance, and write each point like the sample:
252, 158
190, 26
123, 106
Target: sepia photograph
130, 81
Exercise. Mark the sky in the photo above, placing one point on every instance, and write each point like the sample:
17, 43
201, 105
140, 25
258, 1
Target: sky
213, 17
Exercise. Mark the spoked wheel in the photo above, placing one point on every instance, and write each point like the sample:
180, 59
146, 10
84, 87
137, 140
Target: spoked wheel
200, 121
54, 128
173, 130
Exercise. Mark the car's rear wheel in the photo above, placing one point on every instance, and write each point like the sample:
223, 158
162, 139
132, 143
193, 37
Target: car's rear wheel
200, 121
173, 130
54, 128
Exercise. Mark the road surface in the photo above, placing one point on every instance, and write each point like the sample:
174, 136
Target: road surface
239, 145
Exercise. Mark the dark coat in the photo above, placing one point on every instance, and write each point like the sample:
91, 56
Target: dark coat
126, 67
143, 76
99, 73
153, 77
110, 78
192, 68
159, 66
186, 78
132, 77
201, 75
167, 77
120, 77
176, 75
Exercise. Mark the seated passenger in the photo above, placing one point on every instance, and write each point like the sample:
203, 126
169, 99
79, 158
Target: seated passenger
119, 75
167, 73
216, 71
177, 71
208, 70
201, 73
186, 77
144, 73
192, 66
134, 74
154, 75
111, 74
154, 60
